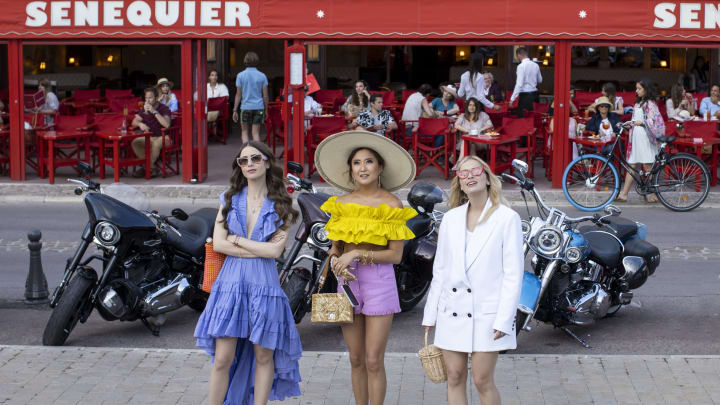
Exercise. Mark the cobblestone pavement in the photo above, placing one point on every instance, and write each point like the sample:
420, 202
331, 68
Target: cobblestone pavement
41, 375
64, 246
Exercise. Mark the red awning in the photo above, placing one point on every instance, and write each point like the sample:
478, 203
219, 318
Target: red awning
368, 19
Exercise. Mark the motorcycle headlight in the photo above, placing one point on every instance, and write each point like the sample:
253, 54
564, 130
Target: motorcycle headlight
526, 228
573, 254
107, 233
319, 235
548, 240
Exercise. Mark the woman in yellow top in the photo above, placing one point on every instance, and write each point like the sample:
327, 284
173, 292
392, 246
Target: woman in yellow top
367, 227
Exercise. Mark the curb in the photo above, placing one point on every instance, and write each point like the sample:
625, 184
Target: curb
206, 195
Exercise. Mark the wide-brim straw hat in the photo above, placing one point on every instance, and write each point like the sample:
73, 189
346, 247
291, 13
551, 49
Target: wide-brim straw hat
163, 81
332, 154
450, 89
602, 100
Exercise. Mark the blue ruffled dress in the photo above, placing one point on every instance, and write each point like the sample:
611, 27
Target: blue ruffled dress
248, 303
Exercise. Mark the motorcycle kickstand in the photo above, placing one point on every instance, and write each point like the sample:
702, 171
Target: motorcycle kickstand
153, 329
576, 337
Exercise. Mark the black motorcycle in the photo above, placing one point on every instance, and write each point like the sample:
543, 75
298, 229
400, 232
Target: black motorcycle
413, 275
149, 264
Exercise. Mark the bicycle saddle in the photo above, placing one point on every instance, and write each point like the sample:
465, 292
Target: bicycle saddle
666, 139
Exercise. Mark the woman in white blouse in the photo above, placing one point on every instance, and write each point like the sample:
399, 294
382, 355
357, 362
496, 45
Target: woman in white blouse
679, 100
474, 121
215, 89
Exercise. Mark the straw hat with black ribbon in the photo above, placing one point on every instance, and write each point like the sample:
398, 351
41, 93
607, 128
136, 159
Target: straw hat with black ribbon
603, 101
164, 80
332, 154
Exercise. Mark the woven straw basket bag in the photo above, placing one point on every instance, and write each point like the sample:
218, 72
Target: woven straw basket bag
331, 307
213, 263
432, 361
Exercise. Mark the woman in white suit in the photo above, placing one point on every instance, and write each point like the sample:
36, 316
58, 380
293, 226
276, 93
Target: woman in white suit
477, 278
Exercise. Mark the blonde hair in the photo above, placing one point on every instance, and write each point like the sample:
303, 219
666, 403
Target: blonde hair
458, 197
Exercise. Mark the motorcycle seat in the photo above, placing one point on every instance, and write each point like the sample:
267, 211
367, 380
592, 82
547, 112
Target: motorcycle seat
419, 224
604, 248
195, 230
621, 227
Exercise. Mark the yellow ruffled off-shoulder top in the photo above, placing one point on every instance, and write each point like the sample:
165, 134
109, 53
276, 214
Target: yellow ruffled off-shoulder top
357, 223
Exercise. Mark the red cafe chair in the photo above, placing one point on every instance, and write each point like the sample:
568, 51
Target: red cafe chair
115, 93
424, 151
274, 124
80, 102
319, 129
170, 152
218, 129
525, 129
327, 98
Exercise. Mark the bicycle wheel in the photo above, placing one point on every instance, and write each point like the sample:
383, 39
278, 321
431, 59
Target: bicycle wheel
590, 182
683, 183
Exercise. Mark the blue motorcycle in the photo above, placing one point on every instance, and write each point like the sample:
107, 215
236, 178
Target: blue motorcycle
583, 269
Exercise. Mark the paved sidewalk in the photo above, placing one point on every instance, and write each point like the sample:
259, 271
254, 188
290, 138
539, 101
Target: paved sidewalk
66, 375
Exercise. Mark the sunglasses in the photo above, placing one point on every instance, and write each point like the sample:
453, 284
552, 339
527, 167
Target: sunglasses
475, 171
244, 161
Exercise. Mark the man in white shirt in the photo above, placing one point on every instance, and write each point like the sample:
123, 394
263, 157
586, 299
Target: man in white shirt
528, 77
414, 107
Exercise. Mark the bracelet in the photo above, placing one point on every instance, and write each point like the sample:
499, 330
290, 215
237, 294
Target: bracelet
372, 257
364, 257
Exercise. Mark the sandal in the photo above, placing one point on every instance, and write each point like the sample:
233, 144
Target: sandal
651, 199
620, 199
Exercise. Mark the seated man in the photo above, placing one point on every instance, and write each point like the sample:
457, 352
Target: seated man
152, 118
375, 119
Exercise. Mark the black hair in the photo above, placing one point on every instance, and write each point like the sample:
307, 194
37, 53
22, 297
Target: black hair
374, 97
650, 92
354, 152
424, 89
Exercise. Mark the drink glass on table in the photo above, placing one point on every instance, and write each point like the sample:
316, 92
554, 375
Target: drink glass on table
605, 126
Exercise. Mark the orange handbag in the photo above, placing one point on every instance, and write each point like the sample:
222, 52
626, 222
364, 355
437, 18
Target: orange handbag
213, 263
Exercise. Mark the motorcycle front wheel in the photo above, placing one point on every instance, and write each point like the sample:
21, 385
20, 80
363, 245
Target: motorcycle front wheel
67, 312
294, 287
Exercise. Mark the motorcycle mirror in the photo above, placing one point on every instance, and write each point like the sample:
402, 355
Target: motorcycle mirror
84, 168
520, 166
613, 210
295, 167
179, 214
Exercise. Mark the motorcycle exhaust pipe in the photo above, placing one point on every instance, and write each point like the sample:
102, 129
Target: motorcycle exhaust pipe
169, 298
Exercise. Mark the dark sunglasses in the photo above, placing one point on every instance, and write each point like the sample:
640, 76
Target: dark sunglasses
244, 161
475, 171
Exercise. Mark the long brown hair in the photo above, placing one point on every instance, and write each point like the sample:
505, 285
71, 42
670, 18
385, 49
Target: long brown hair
676, 94
478, 109
458, 197
275, 186
360, 99
611, 92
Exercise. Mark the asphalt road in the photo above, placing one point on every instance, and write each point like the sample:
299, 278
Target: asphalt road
676, 312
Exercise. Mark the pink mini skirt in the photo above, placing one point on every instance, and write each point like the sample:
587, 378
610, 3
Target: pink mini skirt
375, 289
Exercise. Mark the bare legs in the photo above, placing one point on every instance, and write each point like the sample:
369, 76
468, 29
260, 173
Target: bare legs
629, 182
264, 374
219, 375
366, 339
483, 369
246, 129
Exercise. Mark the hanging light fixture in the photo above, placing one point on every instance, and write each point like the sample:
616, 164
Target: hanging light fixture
43, 65
71, 61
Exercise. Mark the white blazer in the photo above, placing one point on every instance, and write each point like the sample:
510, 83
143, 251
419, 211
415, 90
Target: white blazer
469, 298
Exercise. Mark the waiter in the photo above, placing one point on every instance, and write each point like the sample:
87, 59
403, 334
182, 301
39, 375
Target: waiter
528, 77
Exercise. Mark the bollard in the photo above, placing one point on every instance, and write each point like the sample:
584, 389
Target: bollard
36, 290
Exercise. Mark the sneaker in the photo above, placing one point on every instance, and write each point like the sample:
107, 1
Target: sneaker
139, 173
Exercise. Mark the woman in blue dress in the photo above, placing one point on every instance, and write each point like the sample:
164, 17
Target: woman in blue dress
247, 325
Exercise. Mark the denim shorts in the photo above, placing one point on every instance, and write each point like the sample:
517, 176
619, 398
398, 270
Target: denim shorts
255, 117
375, 289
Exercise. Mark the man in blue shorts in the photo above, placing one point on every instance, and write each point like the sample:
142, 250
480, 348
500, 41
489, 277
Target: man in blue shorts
252, 88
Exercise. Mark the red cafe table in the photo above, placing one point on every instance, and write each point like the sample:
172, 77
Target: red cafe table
116, 139
493, 142
50, 145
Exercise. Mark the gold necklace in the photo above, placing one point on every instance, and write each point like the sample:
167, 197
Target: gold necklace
255, 205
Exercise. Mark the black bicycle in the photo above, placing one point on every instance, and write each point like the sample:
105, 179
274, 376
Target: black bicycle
680, 180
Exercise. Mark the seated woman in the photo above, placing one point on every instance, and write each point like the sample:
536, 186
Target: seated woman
573, 108
604, 122
358, 101
473, 121
609, 91
446, 104
679, 100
